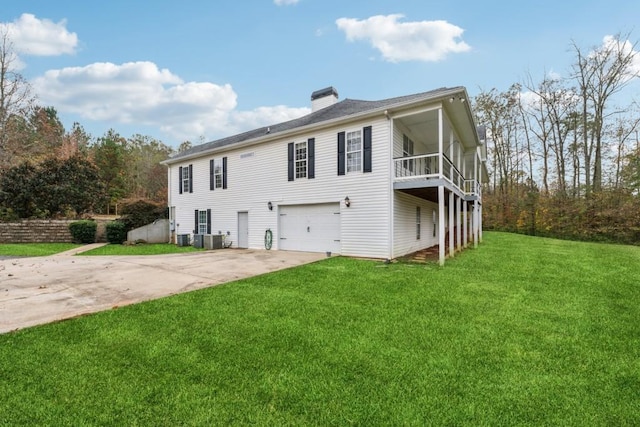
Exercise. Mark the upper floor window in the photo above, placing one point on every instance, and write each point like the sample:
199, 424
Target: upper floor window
217, 173
185, 179
301, 160
354, 151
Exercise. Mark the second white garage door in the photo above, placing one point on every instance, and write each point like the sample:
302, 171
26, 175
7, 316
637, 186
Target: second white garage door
310, 228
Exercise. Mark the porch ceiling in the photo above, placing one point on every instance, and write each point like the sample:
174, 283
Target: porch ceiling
457, 116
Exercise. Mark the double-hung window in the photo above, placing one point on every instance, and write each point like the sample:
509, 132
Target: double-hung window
217, 173
301, 159
354, 151
202, 222
185, 179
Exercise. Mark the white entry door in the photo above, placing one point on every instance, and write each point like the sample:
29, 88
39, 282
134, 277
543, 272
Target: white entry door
243, 229
310, 228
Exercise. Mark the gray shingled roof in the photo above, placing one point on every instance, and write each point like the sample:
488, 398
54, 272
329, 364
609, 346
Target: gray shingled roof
344, 108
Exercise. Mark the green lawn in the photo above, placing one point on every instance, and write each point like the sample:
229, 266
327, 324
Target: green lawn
142, 249
34, 249
521, 331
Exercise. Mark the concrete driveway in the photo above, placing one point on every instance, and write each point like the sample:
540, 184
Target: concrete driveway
40, 290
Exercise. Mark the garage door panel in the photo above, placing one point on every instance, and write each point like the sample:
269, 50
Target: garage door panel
310, 228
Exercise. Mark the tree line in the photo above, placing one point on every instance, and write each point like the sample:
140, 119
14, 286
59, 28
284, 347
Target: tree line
563, 152
49, 171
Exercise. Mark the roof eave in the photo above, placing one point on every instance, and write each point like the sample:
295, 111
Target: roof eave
321, 125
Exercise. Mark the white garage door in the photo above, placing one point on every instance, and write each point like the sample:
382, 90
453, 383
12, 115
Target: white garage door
310, 228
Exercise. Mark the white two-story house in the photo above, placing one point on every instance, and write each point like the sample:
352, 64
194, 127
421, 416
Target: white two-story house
378, 179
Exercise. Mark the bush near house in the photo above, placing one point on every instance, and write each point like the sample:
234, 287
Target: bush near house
116, 232
83, 231
136, 213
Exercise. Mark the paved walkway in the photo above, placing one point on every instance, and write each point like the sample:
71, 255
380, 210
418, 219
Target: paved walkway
40, 290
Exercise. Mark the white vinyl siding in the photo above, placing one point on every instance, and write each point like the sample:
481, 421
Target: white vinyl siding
259, 176
406, 226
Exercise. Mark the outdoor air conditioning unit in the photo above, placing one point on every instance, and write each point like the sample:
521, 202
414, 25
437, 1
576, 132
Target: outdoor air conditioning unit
213, 241
198, 241
183, 240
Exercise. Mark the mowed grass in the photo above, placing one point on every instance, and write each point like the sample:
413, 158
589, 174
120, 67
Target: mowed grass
34, 249
141, 249
521, 331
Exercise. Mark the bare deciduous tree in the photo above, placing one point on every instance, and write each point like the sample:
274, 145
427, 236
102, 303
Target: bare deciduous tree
16, 99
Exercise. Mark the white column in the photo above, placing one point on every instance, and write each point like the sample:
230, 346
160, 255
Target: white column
452, 247
441, 254
475, 223
458, 228
465, 220
480, 224
440, 146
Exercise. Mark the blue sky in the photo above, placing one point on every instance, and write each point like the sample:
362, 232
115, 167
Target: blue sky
201, 70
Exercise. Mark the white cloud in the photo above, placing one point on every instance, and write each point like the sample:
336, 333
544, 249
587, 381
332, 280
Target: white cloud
40, 37
141, 93
427, 41
285, 2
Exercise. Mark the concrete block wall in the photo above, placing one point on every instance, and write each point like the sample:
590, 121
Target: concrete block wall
36, 231
43, 231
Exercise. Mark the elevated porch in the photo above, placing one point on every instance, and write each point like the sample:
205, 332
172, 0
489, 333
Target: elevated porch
438, 156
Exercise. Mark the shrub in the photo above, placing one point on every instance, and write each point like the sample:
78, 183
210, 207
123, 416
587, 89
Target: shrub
116, 232
141, 212
83, 231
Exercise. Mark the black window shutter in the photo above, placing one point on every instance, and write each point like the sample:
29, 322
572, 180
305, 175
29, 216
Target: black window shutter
212, 181
180, 179
190, 178
341, 153
224, 172
367, 149
290, 162
195, 229
208, 221
311, 158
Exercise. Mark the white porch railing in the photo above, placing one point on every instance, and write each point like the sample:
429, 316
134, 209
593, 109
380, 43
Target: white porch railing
426, 166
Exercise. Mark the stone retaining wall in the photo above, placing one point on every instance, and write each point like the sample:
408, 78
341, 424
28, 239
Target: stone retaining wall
43, 231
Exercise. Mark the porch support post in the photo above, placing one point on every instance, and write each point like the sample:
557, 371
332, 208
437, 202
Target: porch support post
465, 220
440, 146
480, 223
458, 228
441, 224
475, 223
452, 206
